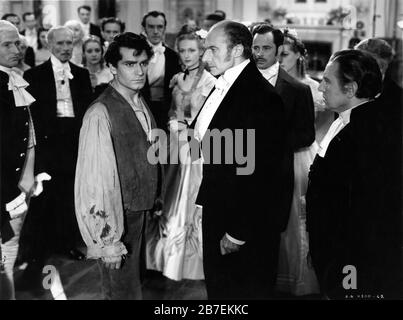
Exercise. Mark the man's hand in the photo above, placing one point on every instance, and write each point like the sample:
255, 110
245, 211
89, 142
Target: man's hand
112, 263
17, 207
38, 186
227, 246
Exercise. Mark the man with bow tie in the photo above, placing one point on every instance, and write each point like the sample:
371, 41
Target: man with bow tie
242, 213
20, 162
63, 93
163, 66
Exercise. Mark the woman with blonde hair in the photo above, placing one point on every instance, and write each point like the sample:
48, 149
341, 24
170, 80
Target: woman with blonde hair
178, 251
78, 39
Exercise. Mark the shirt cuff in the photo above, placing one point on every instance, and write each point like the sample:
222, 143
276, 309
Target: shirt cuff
116, 249
238, 242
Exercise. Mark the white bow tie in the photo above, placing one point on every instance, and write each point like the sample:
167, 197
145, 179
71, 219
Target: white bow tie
221, 84
63, 72
17, 85
160, 49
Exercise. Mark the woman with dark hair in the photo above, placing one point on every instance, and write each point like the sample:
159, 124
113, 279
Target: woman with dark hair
93, 61
293, 60
42, 54
179, 251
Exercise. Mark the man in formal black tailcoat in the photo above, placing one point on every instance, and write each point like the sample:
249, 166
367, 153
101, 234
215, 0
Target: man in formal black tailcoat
63, 92
348, 227
163, 66
242, 200
296, 96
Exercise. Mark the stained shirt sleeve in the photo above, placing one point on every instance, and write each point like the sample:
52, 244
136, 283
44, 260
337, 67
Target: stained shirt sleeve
98, 198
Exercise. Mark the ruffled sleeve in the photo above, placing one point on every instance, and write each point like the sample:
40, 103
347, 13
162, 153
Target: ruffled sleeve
98, 198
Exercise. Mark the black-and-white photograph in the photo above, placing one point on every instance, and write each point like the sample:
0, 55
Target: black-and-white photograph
201, 150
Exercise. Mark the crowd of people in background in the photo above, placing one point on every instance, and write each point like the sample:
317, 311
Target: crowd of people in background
325, 192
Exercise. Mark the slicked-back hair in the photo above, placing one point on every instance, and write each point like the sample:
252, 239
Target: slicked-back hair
113, 20
128, 40
85, 7
263, 28
154, 14
29, 13
360, 67
237, 33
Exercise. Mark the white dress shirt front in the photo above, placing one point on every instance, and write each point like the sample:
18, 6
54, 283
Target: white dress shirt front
62, 74
271, 73
335, 128
222, 86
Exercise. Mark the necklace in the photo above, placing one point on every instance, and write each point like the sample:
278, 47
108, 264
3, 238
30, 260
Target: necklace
186, 72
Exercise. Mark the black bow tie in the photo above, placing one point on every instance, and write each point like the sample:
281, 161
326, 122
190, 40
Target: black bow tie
186, 72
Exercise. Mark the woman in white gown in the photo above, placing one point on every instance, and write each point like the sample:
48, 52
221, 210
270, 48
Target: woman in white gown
295, 274
178, 251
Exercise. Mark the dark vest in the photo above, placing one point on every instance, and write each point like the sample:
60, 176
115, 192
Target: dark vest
138, 178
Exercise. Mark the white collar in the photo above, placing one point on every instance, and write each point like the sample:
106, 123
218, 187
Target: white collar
6, 69
345, 115
57, 64
233, 73
154, 46
271, 71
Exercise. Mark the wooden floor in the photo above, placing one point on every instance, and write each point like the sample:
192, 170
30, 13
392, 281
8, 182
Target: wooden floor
80, 280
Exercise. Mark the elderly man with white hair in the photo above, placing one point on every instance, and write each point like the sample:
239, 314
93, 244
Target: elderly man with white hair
20, 162
63, 92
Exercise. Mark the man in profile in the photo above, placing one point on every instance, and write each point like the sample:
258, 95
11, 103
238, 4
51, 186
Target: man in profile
242, 216
345, 199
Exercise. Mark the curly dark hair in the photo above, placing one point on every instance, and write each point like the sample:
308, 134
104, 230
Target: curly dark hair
127, 40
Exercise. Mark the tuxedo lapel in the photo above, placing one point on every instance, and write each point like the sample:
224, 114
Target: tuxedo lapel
192, 125
280, 83
74, 88
49, 88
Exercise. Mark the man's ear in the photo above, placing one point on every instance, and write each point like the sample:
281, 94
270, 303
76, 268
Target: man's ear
351, 89
238, 50
113, 70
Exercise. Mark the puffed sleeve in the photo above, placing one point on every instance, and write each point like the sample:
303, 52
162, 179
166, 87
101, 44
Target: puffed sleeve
98, 198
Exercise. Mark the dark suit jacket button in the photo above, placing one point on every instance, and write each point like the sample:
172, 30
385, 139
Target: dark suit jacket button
18, 169
26, 123
22, 154
25, 139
